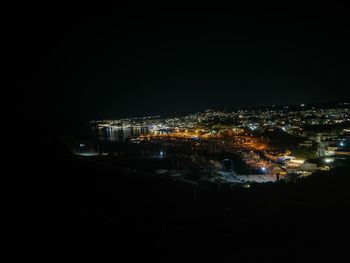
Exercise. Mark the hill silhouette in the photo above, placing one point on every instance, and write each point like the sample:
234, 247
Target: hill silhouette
81, 210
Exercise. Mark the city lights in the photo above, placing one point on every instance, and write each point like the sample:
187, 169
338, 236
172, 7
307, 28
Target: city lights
257, 136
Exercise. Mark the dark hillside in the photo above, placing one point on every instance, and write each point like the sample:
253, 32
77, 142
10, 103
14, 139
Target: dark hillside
86, 211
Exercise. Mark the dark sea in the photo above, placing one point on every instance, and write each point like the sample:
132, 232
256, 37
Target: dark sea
118, 138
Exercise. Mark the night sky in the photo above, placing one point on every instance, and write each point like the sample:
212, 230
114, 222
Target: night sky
72, 64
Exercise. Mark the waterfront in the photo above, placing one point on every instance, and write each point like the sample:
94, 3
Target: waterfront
120, 133
273, 142
178, 154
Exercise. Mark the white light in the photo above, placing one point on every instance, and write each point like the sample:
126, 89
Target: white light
341, 144
328, 160
329, 152
263, 169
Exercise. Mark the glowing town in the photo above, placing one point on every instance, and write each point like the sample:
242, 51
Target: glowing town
241, 146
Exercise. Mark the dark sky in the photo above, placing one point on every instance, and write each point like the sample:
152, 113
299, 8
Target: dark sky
77, 63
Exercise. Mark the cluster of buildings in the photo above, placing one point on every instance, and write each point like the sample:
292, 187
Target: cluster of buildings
288, 118
323, 130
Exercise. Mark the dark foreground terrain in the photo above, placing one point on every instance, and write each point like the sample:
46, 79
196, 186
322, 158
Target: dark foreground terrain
82, 211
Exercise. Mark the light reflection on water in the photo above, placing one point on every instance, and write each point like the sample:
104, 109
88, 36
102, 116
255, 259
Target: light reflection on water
120, 134
106, 138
